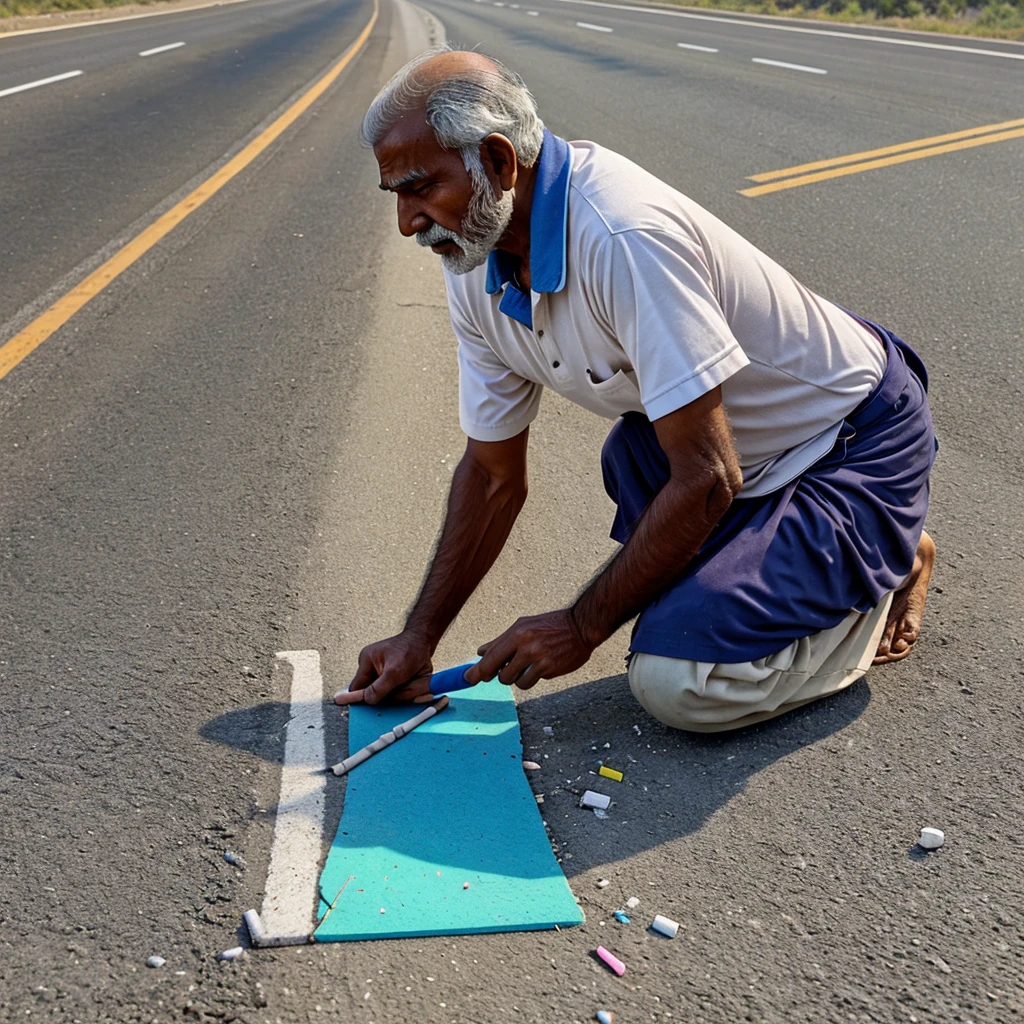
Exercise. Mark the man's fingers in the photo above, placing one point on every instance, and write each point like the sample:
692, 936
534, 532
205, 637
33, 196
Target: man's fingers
394, 684
349, 697
498, 653
365, 674
530, 677
515, 668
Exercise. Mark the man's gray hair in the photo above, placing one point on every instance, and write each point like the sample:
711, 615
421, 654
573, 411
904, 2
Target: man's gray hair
463, 110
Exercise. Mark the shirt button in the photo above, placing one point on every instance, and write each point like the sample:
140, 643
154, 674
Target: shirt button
540, 334
556, 364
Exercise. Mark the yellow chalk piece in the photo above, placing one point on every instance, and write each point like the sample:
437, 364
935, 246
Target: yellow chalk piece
610, 773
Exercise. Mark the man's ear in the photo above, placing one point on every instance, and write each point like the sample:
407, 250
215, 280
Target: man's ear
499, 159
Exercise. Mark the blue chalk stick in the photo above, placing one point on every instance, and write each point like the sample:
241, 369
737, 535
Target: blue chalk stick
450, 679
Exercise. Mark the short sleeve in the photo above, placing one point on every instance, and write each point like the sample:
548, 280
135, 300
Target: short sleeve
495, 403
660, 302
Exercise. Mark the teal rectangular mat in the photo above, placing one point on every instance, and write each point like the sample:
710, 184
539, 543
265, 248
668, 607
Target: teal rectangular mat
446, 805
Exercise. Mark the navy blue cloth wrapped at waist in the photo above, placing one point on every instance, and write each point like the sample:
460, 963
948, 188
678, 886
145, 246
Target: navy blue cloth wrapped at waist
799, 560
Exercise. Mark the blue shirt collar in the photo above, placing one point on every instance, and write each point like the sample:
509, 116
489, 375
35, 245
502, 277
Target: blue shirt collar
548, 224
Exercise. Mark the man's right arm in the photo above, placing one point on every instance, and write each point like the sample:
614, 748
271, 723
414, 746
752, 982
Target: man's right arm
488, 490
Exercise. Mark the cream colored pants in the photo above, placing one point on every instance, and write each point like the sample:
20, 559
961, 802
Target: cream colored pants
706, 697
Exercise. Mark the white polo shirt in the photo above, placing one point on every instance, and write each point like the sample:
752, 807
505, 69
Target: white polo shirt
642, 300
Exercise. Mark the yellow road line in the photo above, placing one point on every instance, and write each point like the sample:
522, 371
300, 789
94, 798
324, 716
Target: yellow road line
871, 165
28, 340
870, 154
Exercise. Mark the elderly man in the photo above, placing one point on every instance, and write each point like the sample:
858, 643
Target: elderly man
771, 451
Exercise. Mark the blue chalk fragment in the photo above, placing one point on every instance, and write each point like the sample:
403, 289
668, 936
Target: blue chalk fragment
620, 917
450, 679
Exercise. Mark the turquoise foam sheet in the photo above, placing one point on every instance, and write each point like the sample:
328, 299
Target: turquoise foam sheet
445, 805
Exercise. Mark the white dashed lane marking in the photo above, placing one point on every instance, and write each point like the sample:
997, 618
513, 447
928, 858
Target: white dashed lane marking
37, 84
160, 49
791, 67
593, 28
692, 46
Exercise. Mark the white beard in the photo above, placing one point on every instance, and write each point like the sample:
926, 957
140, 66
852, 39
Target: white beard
487, 220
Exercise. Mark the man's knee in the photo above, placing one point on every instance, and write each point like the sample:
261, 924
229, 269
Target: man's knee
681, 694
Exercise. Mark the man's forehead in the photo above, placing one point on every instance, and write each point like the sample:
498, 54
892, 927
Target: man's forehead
409, 142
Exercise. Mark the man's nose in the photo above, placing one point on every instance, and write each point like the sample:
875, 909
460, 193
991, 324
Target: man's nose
411, 217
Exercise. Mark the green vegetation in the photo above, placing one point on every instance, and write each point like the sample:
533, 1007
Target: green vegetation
998, 19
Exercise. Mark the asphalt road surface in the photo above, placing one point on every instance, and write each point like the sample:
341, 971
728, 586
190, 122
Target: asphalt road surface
242, 445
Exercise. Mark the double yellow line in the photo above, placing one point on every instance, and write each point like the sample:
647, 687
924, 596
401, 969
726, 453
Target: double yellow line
28, 340
872, 159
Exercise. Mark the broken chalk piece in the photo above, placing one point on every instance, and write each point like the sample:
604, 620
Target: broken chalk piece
235, 859
605, 1017
255, 926
465, 885
531, 766
602, 883
620, 916
665, 925
155, 961
612, 961
610, 773
231, 954
931, 838
632, 902
598, 813
592, 799
548, 731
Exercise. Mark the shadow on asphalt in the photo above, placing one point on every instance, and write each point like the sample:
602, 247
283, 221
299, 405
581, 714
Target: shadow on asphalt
673, 781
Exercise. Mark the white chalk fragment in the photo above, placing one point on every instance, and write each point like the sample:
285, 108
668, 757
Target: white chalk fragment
931, 838
155, 961
636, 729
255, 926
665, 925
231, 954
602, 883
599, 813
531, 766
548, 731
633, 902
592, 799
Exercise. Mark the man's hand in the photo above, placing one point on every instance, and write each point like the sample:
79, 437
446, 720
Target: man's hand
536, 647
398, 668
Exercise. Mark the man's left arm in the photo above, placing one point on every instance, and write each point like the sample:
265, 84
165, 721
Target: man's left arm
704, 476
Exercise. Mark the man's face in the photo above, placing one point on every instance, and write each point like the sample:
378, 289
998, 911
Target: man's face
438, 201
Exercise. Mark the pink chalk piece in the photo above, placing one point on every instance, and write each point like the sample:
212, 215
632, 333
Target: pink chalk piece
612, 961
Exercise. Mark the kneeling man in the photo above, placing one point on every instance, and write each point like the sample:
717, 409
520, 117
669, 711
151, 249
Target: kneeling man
771, 451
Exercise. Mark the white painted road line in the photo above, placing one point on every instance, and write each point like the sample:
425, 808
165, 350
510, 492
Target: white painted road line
594, 28
290, 903
796, 28
792, 67
42, 81
533, 14
691, 46
160, 49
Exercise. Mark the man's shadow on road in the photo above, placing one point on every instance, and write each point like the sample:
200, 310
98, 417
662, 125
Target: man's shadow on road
673, 781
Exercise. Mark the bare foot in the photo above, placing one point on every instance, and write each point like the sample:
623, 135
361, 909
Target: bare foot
904, 622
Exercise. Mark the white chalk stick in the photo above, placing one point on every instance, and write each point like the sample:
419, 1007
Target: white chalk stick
592, 799
379, 744
665, 925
